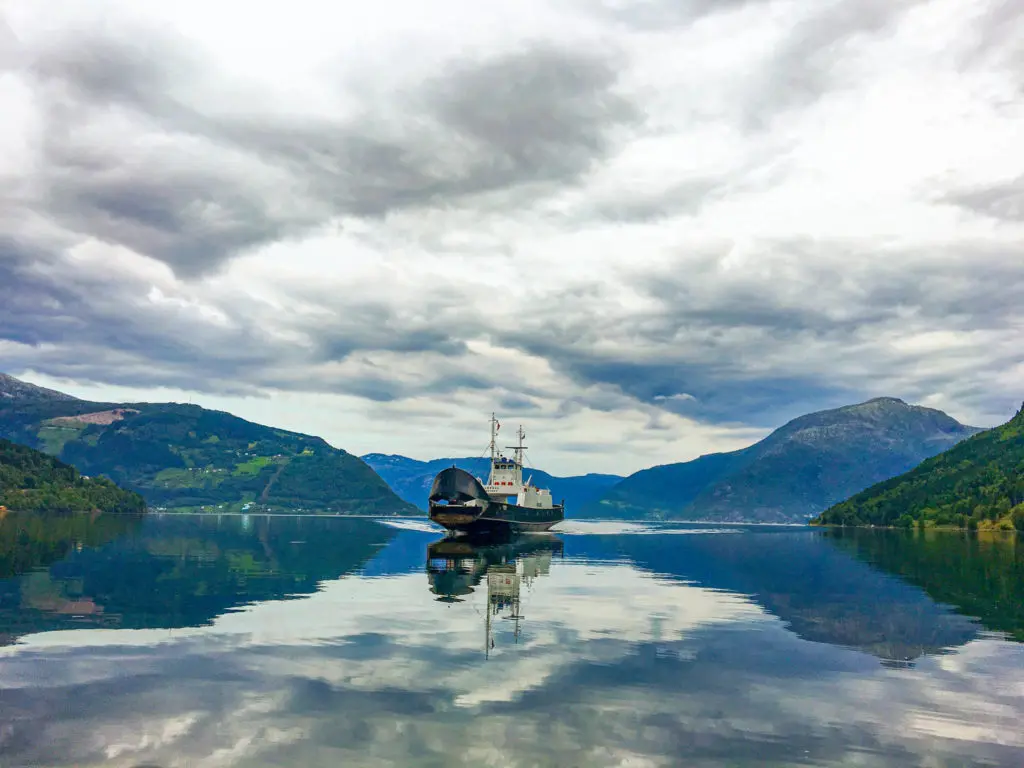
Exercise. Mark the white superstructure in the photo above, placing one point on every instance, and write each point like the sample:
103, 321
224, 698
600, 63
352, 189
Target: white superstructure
506, 480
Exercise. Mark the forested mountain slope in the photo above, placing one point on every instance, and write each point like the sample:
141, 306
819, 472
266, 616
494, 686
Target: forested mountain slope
31, 481
187, 457
977, 483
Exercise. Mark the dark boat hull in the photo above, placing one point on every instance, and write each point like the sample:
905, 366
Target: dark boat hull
496, 517
459, 503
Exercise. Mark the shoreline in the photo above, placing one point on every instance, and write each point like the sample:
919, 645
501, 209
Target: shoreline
915, 528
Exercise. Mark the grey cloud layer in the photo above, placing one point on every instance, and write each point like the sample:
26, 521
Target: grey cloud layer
146, 144
660, 14
194, 187
1002, 201
83, 326
711, 340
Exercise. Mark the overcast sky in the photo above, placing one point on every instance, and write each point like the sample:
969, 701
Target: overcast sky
647, 230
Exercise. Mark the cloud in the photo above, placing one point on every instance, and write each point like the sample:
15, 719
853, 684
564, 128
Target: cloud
1003, 201
816, 54
657, 15
679, 396
716, 325
579, 212
194, 185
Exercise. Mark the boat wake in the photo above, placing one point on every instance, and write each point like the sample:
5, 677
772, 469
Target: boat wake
423, 526
619, 528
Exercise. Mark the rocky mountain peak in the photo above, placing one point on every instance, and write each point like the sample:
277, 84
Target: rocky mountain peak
16, 389
894, 401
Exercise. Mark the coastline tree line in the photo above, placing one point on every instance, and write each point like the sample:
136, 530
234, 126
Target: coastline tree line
979, 483
31, 481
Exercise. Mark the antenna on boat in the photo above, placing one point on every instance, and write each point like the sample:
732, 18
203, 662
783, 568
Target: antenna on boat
519, 448
495, 426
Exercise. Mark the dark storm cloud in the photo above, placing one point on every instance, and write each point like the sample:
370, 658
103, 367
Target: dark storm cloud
217, 183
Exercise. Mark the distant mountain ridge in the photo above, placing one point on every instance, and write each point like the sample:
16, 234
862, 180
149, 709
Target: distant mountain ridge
16, 389
411, 478
978, 483
800, 469
187, 457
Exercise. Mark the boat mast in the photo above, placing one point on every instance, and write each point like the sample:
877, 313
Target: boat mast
495, 426
520, 447
518, 456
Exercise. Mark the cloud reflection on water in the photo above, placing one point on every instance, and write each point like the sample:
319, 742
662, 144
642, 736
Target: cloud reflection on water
615, 666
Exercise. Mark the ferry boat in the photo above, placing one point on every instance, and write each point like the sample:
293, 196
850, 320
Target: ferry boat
504, 504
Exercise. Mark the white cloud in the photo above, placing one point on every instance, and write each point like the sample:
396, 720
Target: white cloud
376, 216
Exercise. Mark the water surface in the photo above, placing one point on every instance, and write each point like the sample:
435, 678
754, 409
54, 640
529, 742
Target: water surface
257, 641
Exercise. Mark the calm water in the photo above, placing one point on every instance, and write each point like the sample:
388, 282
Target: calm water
183, 641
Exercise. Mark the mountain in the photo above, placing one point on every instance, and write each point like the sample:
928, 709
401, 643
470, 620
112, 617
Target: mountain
411, 479
31, 481
797, 471
187, 457
978, 483
16, 389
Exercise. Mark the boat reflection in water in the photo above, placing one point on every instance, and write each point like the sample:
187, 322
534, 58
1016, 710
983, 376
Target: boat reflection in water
457, 566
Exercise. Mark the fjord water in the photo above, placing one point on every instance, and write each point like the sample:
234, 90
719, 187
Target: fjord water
252, 641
